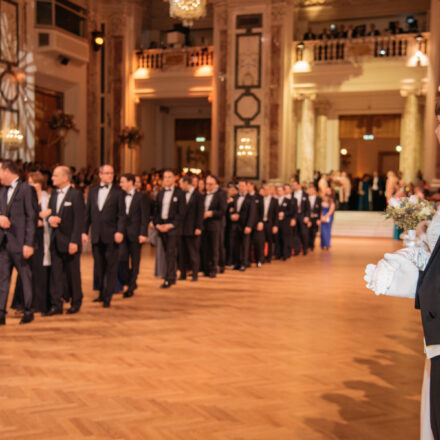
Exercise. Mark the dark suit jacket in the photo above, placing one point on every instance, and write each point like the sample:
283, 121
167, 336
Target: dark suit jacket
218, 207
248, 212
315, 211
138, 217
305, 205
428, 297
22, 212
194, 214
259, 208
71, 212
110, 220
176, 212
272, 213
288, 208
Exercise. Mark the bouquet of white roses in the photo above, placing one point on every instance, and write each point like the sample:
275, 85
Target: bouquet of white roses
408, 212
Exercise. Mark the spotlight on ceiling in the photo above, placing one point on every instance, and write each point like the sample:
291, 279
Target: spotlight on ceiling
97, 40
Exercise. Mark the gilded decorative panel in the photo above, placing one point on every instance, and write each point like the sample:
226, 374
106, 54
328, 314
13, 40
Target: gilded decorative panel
9, 52
248, 61
247, 151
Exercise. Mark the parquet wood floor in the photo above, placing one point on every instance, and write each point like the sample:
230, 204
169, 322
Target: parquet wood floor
297, 350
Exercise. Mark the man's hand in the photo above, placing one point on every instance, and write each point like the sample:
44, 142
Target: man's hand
247, 230
46, 213
28, 251
318, 222
306, 220
151, 225
54, 221
197, 232
4, 222
275, 230
142, 239
235, 217
293, 222
159, 228
73, 248
84, 238
260, 226
208, 214
281, 215
118, 237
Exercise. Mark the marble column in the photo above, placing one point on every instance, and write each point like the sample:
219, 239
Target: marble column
431, 159
322, 108
307, 139
410, 134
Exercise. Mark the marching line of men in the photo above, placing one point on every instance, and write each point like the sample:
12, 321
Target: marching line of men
199, 232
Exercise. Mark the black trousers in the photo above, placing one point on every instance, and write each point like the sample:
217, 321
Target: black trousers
434, 397
222, 248
242, 244
210, 251
313, 230
284, 240
269, 239
189, 254
303, 233
8, 260
258, 240
130, 258
170, 243
65, 267
106, 257
377, 202
295, 241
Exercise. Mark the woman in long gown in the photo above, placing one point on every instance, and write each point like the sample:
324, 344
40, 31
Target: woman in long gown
40, 261
327, 214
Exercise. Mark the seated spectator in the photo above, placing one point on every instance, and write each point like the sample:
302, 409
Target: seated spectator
373, 32
309, 35
325, 35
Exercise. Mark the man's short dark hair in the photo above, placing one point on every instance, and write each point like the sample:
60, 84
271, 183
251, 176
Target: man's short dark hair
168, 170
214, 177
187, 179
8, 164
130, 177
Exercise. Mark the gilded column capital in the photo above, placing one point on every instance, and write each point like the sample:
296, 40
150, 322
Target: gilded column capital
322, 107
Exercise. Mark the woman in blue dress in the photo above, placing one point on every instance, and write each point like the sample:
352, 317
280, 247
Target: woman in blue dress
327, 213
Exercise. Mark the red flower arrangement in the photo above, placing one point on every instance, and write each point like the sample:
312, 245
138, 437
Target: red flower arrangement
61, 120
130, 135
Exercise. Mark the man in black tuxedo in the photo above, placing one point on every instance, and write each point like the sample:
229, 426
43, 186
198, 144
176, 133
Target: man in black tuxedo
105, 214
18, 223
189, 250
285, 221
257, 236
377, 192
168, 219
67, 223
315, 214
137, 210
295, 243
303, 216
215, 209
243, 219
270, 220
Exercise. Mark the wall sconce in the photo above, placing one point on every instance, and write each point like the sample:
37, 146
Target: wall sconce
300, 51
343, 151
399, 148
97, 40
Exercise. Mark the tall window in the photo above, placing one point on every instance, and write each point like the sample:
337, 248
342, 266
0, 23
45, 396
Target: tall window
62, 14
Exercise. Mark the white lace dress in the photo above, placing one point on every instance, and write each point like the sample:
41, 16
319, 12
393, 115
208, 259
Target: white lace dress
396, 275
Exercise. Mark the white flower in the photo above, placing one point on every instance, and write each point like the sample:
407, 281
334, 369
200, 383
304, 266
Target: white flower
413, 200
394, 202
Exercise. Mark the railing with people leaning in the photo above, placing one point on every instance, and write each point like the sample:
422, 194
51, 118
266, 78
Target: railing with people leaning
338, 50
191, 57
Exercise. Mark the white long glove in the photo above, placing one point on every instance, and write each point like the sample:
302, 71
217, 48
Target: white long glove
394, 275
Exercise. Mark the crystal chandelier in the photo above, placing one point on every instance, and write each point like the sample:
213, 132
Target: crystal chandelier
187, 10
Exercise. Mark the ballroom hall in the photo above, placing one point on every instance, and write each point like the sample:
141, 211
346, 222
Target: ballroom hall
218, 219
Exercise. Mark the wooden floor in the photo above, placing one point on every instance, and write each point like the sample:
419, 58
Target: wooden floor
297, 350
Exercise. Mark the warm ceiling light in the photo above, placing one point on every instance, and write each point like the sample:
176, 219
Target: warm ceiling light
344, 152
399, 148
97, 40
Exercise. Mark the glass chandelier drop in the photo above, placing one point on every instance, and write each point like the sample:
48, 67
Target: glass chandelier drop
187, 10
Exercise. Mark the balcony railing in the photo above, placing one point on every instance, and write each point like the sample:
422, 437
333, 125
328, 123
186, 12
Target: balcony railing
339, 50
189, 57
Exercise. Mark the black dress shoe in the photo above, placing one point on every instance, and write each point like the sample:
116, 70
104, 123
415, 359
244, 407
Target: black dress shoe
2, 319
222, 269
128, 294
27, 318
166, 285
212, 275
97, 300
182, 277
305, 253
194, 278
236, 268
52, 311
106, 304
72, 310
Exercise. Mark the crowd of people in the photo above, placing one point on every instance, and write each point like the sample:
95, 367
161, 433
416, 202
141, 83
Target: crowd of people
199, 228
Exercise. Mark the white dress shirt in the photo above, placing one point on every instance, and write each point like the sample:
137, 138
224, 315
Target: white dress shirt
298, 196
166, 202
188, 194
280, 200
103, 192
266, 207
312, 200
240, 201
61, 194
208, 200
375, 186
11, 189
128, 199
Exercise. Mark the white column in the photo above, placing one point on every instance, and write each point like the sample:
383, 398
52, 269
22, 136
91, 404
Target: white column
307, 139
321, 140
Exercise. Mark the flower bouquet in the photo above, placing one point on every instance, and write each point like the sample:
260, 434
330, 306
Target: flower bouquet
130, 136
62, 122
407, 213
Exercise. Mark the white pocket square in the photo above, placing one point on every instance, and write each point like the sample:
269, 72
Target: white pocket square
175, 199
68, 204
